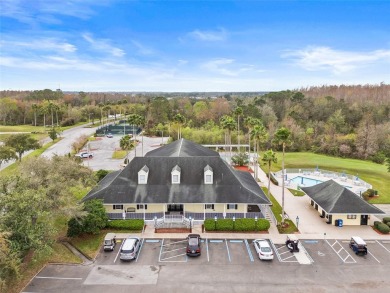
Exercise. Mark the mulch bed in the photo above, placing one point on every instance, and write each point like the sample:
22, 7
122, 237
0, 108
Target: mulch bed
243, 168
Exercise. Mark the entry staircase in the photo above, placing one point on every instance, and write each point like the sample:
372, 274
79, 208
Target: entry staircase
172, 221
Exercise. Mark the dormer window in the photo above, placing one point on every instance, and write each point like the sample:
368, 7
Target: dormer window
143, 175
176, 175
208, 175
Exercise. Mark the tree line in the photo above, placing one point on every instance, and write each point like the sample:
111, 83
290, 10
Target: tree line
354, 123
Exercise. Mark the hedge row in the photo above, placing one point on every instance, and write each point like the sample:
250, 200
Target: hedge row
382, 227
386, 220
135, 224
244, 225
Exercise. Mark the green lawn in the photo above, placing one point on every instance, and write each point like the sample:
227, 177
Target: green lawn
374, 174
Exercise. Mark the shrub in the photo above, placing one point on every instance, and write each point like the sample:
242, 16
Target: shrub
376, 223
378, 158
386, 220
383, 228
135, 224
68, 122
101, 174
239, 225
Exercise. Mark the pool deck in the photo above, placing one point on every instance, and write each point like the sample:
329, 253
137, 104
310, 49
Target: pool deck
354, 184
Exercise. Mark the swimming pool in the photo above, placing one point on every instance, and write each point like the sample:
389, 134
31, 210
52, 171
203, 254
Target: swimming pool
305, 181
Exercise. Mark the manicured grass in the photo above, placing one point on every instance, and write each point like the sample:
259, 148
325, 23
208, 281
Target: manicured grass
374, 174
21, 128
276, 208
290, 229
62, 254
296, 192
119, 154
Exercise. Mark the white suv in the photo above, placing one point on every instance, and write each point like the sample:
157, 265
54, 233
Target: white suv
130, 248
84, 155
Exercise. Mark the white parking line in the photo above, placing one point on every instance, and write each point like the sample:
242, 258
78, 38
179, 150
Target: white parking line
207, 249
161, 247
165, 259
175, 242
174, 250
338, 253
139, 252
276, 251
249, 250
119, 251
382, 245
230, 260
57, 278
374, 257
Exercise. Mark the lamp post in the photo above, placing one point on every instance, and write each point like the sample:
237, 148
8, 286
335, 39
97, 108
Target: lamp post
190, 222
234, 220
215, 222
297, 221
256, 223
155, 221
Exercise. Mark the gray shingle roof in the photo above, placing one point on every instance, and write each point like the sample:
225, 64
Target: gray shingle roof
182, 148
337, 199
229, 185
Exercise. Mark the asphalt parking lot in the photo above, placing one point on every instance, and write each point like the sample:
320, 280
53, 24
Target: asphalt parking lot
163, 262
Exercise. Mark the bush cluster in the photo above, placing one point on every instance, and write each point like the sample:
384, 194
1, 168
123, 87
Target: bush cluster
240, 225
134, 224
383, 227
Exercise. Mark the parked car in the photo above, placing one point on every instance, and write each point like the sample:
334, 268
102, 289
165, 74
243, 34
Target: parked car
263, 249
130, 248
110, 135
84, 155
193, 245
109, 242
358, 245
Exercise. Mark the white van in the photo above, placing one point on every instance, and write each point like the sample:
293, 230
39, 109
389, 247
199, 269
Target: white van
130, 248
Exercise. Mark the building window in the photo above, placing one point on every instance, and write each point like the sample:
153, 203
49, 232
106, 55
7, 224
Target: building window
208, 175
175, 178
351, 217
142, 206
209, 206
117, 206
231, 206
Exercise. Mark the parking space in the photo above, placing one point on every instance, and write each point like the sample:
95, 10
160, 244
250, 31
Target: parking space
150, 252
321, 252
173, 250
283, 254
240, 252
218, 251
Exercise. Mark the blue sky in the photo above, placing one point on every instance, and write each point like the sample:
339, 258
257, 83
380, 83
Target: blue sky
108, 45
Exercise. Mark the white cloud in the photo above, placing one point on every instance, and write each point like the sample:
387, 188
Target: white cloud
209, 36
103, 46
182, 62
47, 11
337, 61
228, 67
40, 45
143, 50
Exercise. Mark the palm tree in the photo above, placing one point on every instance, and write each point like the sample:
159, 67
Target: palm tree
250, 122
238, 112
35, 109
260, 135
135, 120
180, 120
282, 137
228, 123
269, 157
125, 143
